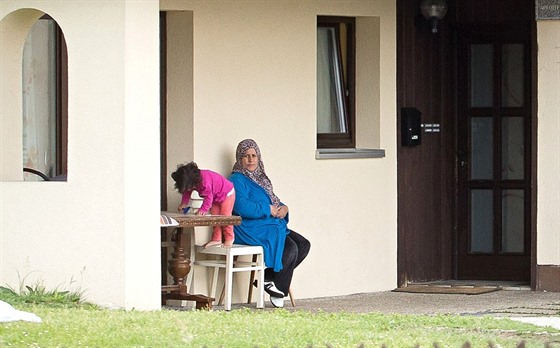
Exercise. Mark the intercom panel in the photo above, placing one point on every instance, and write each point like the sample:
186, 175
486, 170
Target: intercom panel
411, 127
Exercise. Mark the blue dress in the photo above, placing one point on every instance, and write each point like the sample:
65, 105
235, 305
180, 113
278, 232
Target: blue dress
257, 226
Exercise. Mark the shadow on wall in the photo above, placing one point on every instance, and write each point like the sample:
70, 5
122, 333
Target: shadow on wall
227, 159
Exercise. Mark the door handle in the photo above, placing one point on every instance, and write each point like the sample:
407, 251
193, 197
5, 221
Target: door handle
462, 158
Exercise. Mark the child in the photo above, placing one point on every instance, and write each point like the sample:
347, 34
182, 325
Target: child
218, 196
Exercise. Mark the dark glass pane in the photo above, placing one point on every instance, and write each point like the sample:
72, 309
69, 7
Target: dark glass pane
482, 144
481, 71
512, 148
482, 216
513, 218
512, 75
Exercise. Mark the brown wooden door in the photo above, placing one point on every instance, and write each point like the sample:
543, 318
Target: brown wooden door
494, 120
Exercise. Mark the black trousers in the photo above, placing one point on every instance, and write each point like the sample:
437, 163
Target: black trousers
296, 249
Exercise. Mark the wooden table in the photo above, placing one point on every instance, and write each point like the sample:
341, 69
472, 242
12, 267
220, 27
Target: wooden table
179, 265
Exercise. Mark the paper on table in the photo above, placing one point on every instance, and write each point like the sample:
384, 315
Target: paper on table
165, 221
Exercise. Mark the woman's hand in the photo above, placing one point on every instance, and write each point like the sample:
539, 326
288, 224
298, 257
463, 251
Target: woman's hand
279, 212
181, 206
282, 211
274, 210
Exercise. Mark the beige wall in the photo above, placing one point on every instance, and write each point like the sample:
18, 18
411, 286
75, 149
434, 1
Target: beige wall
98, 232
254, 77
548, 211
179, 95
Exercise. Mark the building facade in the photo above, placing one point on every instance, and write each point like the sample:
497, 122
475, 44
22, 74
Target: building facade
144, 86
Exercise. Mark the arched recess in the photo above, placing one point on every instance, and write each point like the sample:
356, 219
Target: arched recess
23, 73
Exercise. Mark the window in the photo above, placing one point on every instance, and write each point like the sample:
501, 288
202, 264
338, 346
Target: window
336, 82
45, 116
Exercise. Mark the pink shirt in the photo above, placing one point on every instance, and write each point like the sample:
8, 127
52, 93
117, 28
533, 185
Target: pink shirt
213, 188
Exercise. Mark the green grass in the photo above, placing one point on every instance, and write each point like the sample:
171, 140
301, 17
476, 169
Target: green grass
39, 295
71, 323
90, 327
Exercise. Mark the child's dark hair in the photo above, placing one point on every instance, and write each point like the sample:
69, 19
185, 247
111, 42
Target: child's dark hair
187, 177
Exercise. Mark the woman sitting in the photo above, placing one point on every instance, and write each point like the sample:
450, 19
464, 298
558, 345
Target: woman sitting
265, 222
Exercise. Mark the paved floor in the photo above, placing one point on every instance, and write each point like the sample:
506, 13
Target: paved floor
498, 303
540, 308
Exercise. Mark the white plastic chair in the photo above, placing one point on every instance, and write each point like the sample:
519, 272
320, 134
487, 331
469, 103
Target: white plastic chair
232, 264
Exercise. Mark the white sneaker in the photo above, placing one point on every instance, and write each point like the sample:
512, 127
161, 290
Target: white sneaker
277, 302
272, 290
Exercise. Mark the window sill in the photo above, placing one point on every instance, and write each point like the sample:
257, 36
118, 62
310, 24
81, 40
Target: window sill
349, 153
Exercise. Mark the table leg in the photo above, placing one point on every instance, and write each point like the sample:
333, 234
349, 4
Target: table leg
179, 266
192, 256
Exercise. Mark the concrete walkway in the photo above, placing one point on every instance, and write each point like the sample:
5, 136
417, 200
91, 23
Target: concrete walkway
539, 308
497, 303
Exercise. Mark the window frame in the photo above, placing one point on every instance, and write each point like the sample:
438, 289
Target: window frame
61, 103
348, 139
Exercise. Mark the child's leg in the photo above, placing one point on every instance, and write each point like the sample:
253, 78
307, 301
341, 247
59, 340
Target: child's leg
225, 209
217, 230
228, 235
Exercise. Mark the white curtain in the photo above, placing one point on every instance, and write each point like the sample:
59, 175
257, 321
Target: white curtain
330, 88
39, 108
